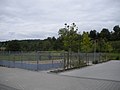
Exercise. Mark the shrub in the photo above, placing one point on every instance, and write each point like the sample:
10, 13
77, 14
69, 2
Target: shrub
117, 58
95, 62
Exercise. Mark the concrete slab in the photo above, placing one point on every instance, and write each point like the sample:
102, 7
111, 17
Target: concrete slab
28, 80
4, 87
108, 71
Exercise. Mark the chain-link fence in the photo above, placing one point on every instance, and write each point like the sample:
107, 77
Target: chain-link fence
76, 60
32, 60
44, 60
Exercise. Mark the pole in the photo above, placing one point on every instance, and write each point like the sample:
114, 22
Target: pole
37, 55
94, 50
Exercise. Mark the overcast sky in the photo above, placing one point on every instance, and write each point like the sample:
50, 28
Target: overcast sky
39, 19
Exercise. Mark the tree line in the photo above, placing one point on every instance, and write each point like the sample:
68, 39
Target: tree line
70, 40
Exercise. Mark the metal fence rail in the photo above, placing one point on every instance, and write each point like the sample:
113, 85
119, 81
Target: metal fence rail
44, 60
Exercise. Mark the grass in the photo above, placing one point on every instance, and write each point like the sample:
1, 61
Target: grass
17, 57
113, 56
31, 56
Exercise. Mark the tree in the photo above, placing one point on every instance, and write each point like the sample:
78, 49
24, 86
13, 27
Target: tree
105, 34
47, 46
93, 34
116, 46
58, 44
108, 47
104, 46
116, 34
86, 44
13, 46
116, 29
69, 36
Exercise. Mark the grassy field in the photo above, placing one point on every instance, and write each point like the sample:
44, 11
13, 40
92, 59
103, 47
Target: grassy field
43, 56
31, 56
113, 56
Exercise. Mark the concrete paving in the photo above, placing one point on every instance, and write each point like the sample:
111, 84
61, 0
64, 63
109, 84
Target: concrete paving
28, 80
108, 71
4, 87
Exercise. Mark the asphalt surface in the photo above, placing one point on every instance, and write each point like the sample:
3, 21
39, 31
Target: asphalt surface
20, 79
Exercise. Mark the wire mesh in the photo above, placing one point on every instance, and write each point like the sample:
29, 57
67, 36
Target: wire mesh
47, 60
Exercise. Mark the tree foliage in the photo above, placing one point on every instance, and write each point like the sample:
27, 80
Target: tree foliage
86, 42
69, 37
93, 34
116, 34
105, 34
13, 46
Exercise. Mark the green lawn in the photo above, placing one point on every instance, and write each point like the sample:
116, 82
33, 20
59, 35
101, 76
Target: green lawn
113, 56
30, 56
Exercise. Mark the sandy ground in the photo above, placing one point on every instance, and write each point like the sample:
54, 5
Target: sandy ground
44, 62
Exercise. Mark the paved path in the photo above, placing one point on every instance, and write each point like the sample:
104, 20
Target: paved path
29, 80
108, 71
4, 87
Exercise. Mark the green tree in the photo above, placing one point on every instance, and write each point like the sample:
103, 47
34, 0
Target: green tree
105, 34
104, 46
108, 47
93, 34
116, 34
58, 45
69, 36
47, 46
86, 42
86, 45
116, 46
13, 46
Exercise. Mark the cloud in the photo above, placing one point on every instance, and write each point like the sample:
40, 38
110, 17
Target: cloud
29, 19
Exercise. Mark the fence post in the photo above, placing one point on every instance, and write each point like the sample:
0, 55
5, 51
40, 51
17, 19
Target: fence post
79, 57
88, 58
37, 59
9, 58
64, 62
21, 59
68, 60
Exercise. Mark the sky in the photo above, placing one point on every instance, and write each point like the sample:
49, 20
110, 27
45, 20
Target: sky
39, 19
